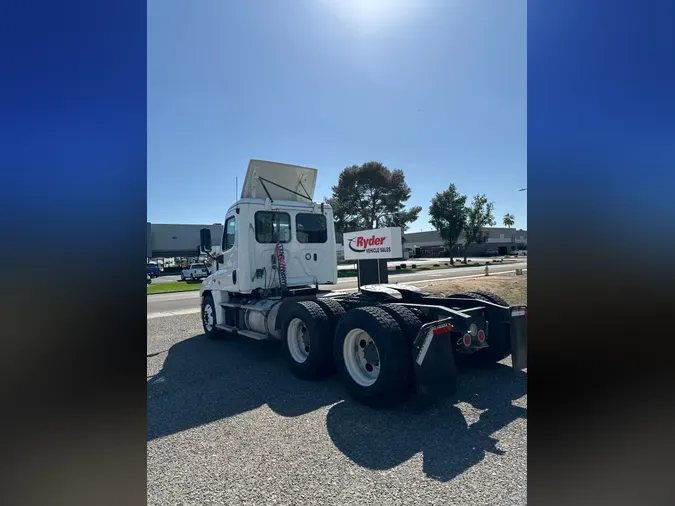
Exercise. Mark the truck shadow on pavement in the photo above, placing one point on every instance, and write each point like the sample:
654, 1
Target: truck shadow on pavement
382, 440
202, 381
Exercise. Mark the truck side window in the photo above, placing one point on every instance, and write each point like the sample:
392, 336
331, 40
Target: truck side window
272, 227
311, 228
228, 233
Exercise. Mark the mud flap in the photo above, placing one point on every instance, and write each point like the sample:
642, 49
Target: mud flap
519, 337
434, 362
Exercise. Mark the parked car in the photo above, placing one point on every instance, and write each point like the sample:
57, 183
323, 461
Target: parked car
194, 271
491, 253
153, 270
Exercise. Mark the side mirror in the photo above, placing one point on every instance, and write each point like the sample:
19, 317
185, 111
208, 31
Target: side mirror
220, 258
205, 239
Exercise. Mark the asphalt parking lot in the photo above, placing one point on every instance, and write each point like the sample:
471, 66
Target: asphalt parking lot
228, 424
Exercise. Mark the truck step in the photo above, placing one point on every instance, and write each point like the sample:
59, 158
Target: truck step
246, 333
229, 304
244, 306
299, 292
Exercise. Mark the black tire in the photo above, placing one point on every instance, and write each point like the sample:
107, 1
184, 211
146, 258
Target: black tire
357, 300
211, 332
182, 278
393, 382
333, 310
499, 345
464, 295
410, 324
319, 361
491, 297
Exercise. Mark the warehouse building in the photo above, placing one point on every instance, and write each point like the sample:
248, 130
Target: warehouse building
166, 241
170, 241
503, 240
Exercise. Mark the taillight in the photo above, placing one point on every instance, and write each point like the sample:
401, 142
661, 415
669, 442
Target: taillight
467, 339
473, 330
442, 330
481, 336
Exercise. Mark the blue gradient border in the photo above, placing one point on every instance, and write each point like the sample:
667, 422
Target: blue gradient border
73, 211
601, 171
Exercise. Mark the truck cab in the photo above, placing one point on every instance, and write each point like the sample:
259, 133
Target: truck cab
256, 229
275, 234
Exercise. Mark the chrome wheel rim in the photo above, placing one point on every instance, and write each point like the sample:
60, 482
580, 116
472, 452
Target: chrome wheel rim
208, 318
297, 338
361, 357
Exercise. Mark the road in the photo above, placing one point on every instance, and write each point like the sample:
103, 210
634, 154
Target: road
188, 302
417, 261
228, 424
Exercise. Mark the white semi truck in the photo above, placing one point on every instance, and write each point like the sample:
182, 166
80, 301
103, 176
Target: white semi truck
386, 341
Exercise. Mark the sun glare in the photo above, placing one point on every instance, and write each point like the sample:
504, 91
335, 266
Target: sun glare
369, 13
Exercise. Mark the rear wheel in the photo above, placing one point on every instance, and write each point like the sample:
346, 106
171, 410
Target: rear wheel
334, 311
410, 324
373, 356
491, 297
464, 295
307, 337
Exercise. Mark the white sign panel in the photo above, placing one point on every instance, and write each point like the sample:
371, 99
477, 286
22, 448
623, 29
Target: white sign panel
371, 244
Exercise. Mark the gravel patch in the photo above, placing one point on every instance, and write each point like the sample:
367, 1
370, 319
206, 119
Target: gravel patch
228, 424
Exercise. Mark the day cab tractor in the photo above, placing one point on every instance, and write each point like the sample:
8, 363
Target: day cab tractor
386, 341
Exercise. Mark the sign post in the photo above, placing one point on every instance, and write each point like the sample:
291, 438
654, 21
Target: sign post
371, 249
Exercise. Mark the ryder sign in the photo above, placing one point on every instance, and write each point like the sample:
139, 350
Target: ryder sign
373, 244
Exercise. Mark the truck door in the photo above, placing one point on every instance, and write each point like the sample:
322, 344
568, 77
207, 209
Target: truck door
272, 227
227, 268
311, 233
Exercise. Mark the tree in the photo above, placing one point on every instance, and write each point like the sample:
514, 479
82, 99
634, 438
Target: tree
342, 216
371, 196
508, 221
448, 215
478, 216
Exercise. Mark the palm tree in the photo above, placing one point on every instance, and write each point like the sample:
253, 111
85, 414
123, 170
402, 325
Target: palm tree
509, 220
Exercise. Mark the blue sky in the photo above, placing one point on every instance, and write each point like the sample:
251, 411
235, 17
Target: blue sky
436, 88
